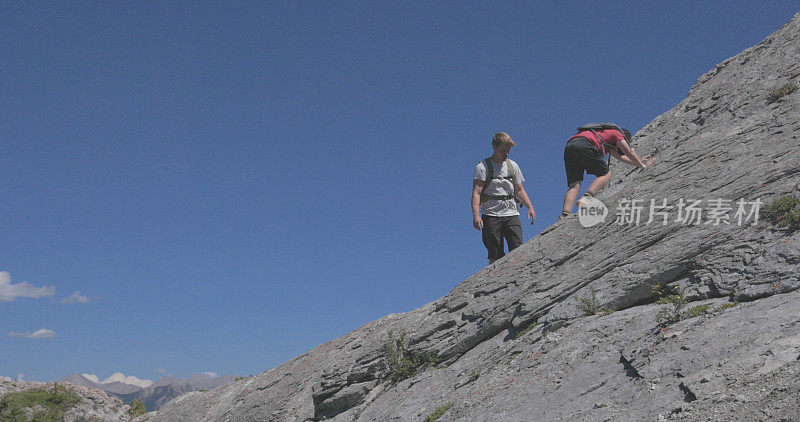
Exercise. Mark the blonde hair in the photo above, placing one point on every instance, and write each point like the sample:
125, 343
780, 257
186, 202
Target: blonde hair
502, 138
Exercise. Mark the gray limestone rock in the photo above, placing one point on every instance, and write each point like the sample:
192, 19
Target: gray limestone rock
738, 356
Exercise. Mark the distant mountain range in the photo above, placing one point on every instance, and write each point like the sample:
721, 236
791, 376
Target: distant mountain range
120, 377
112, 385
152, 394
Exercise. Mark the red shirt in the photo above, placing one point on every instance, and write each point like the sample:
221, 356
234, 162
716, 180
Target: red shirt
610, 137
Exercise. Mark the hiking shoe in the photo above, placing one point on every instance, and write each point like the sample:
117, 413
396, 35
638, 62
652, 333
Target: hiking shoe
582, 200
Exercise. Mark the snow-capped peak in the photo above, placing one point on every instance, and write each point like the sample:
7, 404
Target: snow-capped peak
92, 378
120, 377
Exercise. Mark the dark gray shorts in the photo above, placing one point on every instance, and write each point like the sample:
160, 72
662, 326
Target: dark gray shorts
495, 229
581, 154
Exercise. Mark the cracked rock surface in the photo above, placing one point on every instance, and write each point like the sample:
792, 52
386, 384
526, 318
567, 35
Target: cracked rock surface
512, 342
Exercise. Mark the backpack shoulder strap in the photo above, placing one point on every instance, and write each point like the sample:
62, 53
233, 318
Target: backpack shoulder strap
511, 173
602, 142
489, 177
487, 162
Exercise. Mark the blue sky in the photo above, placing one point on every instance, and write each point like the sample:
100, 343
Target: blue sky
202, 186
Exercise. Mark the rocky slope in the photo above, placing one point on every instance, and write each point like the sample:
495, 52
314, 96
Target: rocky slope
91, 404
736, 359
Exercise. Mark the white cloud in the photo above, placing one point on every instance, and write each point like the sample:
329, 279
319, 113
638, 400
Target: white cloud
76, 297
211, 374
9, 291
43, 333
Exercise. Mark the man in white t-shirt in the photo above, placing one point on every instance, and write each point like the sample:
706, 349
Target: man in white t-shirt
494, 201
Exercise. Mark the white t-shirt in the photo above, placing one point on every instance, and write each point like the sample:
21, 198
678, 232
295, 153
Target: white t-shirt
496, 207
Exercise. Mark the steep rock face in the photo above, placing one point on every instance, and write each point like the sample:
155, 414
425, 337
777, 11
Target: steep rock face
727, 140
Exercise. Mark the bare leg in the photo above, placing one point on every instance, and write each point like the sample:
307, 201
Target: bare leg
598, 183
571, 196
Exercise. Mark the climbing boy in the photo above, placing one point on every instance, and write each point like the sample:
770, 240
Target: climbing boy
586, 151
496, 189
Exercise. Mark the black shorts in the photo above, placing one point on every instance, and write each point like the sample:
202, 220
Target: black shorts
581, 154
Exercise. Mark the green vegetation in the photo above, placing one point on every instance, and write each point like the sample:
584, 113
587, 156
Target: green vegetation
783, 212
670, 296
526, 329
243, 378
695, 311
782, 91
591, 306
137, 408
404, 363
13, 415
55, 401
474, 375
674, 313
438, 412
727, 306
514, 354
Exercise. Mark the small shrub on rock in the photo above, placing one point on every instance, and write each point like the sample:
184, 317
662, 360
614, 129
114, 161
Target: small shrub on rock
404, 363
695, 311
137, 408
782, 91
675, 312
526, 329
514, 354
438, 412
673, 297
727, 306
591, 306
783, 212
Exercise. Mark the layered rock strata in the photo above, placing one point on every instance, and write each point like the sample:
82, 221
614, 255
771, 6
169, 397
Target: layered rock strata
513, 342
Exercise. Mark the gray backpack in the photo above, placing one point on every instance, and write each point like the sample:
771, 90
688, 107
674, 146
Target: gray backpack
491, 176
